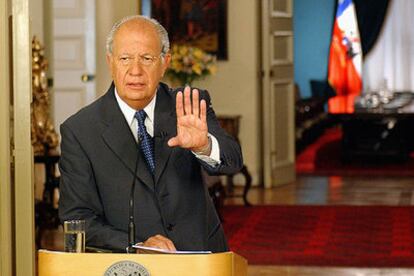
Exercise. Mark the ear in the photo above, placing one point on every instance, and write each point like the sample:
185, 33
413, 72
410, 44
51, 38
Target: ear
109, 61
166, 63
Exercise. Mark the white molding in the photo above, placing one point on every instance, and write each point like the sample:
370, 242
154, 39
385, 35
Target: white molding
69, 8
6, 221
282, 62
23, 151
280, 14
283, 33
288, 59
282, 81
76, 44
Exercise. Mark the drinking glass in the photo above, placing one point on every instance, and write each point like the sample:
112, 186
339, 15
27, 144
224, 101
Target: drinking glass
74, 236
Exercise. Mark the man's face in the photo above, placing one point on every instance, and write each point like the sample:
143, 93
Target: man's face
135, 63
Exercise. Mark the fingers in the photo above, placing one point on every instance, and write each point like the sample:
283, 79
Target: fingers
159, 241
173, 142
203, 111
187, 100
179, 109
196, 103
190, 104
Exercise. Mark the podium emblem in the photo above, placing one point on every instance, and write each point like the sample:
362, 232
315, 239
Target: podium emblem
126, 268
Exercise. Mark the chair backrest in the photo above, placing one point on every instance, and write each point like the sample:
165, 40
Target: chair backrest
322, 89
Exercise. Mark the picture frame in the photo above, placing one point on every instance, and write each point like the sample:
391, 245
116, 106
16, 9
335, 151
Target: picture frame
198, 23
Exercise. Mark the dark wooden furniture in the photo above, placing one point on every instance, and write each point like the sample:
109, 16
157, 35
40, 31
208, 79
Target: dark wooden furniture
46, 211
311, 119
381, 134
376, 137
231, 125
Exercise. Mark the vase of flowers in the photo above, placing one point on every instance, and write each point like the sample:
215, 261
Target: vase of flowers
189, 64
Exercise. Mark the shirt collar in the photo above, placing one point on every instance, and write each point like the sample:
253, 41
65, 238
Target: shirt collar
129, 112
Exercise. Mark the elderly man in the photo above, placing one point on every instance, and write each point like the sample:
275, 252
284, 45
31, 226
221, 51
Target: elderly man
144, 134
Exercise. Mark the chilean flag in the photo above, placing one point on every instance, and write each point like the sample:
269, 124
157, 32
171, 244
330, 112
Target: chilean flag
345, 59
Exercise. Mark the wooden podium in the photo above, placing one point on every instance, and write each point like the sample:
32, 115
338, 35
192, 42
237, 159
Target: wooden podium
102, 264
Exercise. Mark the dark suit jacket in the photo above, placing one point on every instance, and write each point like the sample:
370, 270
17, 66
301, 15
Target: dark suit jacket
98, 157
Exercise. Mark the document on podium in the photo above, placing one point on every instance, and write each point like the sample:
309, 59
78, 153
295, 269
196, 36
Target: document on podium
152, 250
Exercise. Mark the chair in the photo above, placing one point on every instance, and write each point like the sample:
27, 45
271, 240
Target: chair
311, 119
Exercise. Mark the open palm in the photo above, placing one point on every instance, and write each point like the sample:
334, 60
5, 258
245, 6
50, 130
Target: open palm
191, 121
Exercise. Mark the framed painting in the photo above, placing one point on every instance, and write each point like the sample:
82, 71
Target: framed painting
199, 23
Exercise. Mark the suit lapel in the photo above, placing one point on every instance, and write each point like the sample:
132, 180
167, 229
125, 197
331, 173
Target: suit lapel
120, 140
165, 127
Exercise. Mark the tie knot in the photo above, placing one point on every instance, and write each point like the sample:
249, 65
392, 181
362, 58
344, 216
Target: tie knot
140, 116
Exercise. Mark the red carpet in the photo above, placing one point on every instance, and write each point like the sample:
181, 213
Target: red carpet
323, 158
359, 236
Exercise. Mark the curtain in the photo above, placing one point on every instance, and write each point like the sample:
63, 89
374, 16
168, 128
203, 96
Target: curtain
370, 15
390, 64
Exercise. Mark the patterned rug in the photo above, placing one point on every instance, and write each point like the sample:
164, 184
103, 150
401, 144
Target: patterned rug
358, 236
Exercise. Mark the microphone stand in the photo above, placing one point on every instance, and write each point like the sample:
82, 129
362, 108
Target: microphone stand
131, 223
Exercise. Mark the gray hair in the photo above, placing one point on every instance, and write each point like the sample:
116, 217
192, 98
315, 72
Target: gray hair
162, 33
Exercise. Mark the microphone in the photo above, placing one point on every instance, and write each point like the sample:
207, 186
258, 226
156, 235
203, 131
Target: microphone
161, 134
131, 222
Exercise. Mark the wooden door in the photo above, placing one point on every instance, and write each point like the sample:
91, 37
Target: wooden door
74, 59
278, 92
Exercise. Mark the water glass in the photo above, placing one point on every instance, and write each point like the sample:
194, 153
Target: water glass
74, 231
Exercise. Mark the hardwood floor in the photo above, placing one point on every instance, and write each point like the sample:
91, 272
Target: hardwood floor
334, 190
316, 191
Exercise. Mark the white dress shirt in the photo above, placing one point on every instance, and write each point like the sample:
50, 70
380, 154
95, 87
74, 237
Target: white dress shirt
129, 113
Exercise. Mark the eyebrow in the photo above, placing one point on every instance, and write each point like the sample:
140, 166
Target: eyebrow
142, 54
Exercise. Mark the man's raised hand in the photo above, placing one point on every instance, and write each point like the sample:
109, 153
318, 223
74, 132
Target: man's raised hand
192, 127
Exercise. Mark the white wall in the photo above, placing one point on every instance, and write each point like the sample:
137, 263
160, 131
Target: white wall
36, 19
107, 13
235, 89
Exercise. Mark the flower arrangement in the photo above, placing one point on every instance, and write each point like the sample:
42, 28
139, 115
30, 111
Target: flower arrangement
190, 63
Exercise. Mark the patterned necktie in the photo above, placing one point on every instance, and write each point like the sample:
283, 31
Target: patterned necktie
145, 140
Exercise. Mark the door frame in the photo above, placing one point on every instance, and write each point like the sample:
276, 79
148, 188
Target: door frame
278, 150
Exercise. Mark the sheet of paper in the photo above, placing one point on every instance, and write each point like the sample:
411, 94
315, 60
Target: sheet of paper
152, 250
